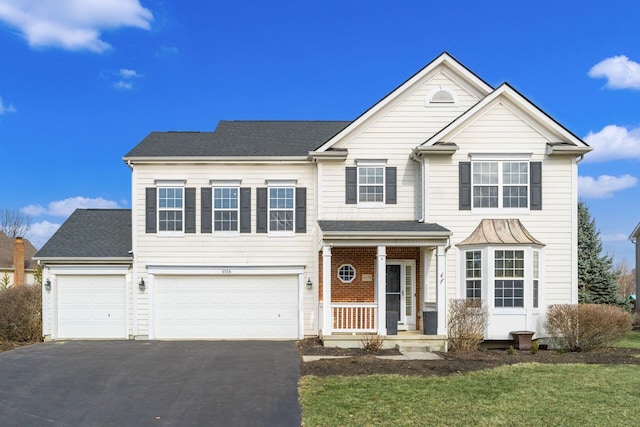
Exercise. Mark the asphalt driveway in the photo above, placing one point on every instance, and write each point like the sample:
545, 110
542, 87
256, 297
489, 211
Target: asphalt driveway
150, 383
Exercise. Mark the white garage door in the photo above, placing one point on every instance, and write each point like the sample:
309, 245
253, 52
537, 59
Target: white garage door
91, 307
226, 307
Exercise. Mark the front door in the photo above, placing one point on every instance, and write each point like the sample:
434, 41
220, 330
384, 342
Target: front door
394, 296
401, 290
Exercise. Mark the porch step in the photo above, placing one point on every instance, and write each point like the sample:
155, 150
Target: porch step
406, 339
413, 348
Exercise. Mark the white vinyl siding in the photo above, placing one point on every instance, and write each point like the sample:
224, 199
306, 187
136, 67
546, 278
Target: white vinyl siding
392, 134
504, 131
226, 249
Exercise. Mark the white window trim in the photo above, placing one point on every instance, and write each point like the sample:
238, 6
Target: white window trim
222, 233
354, 273
488, 278
501, 159
371, 164
225, 182
164, 184
280, 184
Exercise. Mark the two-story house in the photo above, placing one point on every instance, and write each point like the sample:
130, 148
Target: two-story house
446, 188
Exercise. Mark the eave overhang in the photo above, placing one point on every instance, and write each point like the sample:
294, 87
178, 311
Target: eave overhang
84, 260
214, 159
561, 148
635, 234
328, 155
438, 149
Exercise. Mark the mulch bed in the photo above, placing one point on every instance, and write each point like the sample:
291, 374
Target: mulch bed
361, 362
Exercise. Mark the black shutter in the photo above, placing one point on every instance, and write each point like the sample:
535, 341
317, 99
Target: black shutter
150, 209
206, 208
464, 174
390, 185
301, 210
245, 210
351, 186
189, 210
261, 210
536, 186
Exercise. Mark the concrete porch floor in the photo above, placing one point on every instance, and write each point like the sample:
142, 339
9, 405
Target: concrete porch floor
404, 338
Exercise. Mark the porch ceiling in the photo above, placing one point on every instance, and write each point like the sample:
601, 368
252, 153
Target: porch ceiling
391, 233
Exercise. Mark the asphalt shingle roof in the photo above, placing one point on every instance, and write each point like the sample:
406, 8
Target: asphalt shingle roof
91, 233
381, 226
6, 252
241, 138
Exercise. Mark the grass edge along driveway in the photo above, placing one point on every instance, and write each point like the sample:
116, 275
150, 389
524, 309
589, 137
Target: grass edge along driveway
529, 394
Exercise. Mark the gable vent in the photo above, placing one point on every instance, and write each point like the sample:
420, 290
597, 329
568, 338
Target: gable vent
442, 97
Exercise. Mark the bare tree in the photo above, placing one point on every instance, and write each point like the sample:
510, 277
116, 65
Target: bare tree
14, 223
626, 280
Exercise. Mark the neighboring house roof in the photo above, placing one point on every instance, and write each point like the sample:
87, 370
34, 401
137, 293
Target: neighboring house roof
6, 252
635, 234
500, 232
240, 139
91, 234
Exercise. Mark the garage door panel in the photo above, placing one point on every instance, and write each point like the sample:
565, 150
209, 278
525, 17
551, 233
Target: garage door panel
226, 307
91, 307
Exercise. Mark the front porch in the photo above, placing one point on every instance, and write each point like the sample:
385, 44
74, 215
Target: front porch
382, 278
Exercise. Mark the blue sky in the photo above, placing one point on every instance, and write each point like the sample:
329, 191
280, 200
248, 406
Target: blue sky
82, 82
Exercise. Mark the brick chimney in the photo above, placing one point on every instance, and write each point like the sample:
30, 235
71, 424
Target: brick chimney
18, 262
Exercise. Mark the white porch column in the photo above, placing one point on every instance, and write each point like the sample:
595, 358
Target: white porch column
381, 280
441, 289
327, 315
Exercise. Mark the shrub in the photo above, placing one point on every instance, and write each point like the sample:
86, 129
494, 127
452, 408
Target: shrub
535, 347
372, 343
21, 314
467, 321
585, 327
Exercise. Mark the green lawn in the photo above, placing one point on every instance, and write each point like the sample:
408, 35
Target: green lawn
632, 340
519, 395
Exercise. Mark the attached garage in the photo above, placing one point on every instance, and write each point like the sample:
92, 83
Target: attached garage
91, 306
226, 307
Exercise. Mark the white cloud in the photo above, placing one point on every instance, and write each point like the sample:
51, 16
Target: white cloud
64, 208
604, 186
6, 108
128, 74
620, 72
72, 24
40, 232
127, 77
123, 85
613, 142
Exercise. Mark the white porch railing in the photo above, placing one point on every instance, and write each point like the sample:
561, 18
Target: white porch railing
354, 317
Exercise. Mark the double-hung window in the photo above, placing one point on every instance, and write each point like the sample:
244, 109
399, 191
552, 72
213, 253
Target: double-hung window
170, 209
500, 184
225, 209
509, 278
371, 184
473, 274
281, 209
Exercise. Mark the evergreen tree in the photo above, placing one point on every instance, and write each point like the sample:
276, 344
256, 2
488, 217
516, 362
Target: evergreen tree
596, 275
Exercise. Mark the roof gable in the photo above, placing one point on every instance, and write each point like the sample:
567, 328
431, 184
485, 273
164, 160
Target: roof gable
444, 63
530, 110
